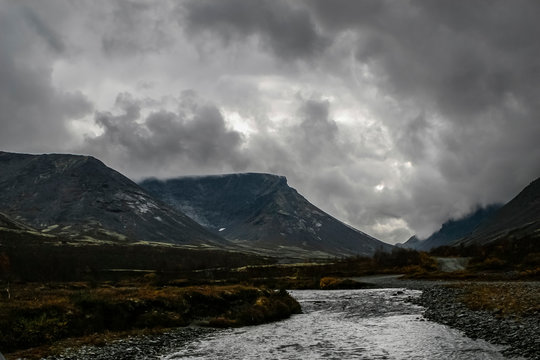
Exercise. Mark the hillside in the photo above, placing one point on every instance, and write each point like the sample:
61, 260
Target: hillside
79, 197
518, 218
453, 230
261, 212
7, 223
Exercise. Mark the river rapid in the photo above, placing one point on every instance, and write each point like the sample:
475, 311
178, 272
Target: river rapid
340, 324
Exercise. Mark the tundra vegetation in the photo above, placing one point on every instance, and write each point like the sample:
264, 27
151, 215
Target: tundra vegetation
39, 314
53, 289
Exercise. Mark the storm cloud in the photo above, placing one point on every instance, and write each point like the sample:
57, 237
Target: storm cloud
393, 116
279, 26
195, 136
34, 114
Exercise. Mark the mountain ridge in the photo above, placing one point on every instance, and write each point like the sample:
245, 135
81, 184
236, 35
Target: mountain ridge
453, 229
79, 196
519, 217
260, 210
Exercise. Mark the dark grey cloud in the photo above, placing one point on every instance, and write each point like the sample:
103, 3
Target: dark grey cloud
282, 27
462, 56
469, 69
137, 27
316, 124
33, 112
391, 115
195, 137
413, 136
316, 137
43, 30
308, 138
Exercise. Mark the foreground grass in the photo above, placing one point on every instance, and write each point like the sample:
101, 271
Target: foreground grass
39, 314
507, 299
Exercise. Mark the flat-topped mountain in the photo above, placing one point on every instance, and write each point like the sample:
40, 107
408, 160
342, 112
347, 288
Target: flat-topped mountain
519, 218
78, 196
260, 211
453, 230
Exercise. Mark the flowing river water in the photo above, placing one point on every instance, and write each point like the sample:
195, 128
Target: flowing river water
340, 324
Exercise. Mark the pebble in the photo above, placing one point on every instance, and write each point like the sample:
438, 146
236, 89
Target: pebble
136, 347
522, 336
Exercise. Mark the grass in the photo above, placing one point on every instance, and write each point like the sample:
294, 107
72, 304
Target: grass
332, 283
41, 314
506, 299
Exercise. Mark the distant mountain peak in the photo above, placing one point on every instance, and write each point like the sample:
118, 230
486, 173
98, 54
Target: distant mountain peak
258, 175
261, 211
453, 229
519, 217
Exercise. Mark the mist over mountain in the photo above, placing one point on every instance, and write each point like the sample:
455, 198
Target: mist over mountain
517, 219
520, 217
453, 230
79, 197
260, 211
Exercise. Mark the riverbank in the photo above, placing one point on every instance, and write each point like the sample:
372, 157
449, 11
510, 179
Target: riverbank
341, 324
506, 313
501, 312
42, 314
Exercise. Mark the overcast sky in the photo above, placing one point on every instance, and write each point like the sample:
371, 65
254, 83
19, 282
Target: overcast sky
393, 116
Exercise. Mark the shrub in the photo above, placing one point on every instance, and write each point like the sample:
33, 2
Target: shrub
329, 282
491, 263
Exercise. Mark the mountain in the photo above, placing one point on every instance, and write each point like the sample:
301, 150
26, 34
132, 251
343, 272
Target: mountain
260, 211
7, 223
518, 218
453, 230
79, 197
412, 243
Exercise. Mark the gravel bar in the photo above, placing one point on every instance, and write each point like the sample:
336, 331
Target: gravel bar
145, 347
521, 335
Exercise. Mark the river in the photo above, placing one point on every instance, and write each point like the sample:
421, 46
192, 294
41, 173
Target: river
340, 324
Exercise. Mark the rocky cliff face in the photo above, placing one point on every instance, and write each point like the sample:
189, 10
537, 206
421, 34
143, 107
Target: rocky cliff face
78, 196
261, 212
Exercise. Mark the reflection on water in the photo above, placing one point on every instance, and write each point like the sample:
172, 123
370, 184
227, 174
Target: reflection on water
343, 324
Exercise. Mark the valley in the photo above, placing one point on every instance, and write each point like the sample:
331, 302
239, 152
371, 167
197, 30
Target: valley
87, 256
269, 179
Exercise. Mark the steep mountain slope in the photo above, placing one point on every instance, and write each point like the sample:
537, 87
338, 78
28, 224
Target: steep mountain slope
412, 243
519, 218
453, 230
260, 211
8, 223
78, 196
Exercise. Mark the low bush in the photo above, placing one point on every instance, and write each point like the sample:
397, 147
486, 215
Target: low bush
332, 283
491, 263
40, 314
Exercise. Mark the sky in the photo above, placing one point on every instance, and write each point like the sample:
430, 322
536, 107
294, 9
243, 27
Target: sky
393, 116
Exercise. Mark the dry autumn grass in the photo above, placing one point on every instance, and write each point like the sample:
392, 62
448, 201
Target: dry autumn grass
42, 314
504, 298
